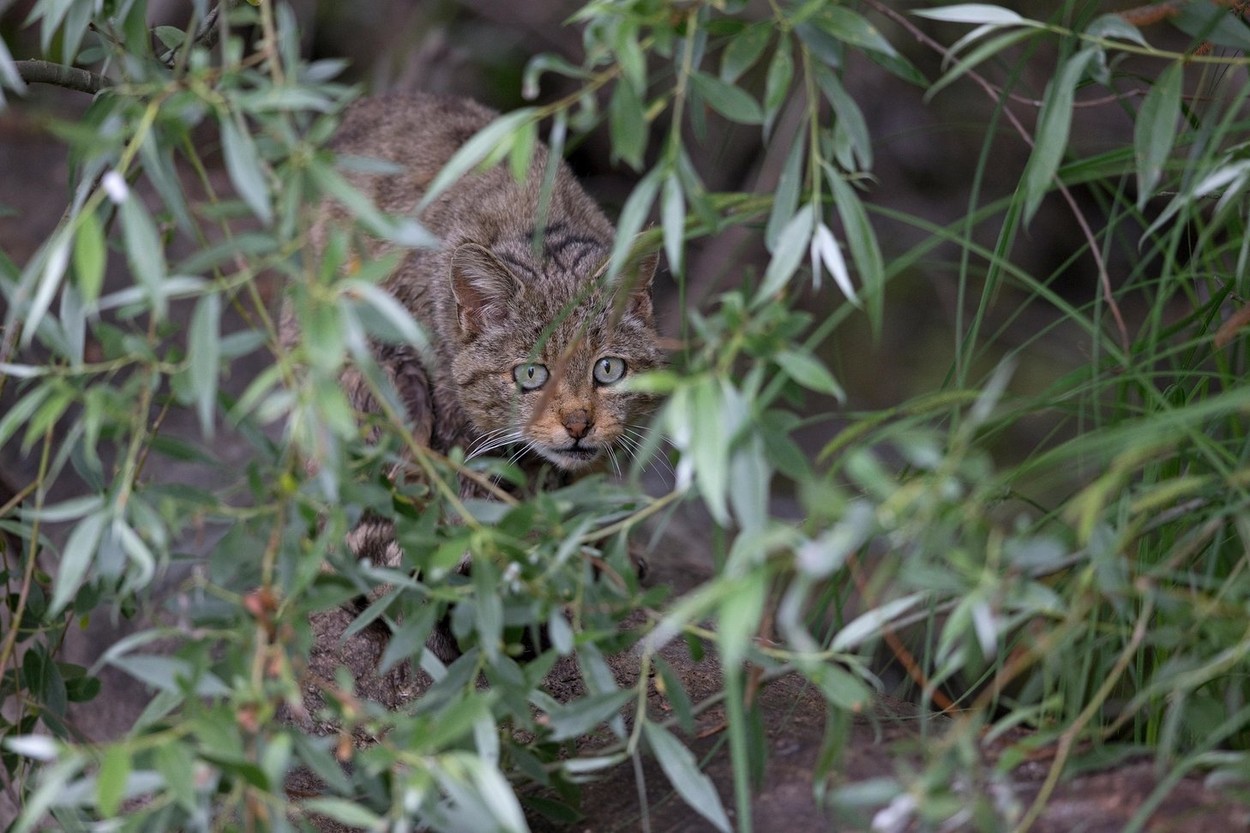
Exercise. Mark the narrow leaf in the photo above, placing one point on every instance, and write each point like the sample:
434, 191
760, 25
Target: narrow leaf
245, 168
731, 102
975, 13
786, 195
1052, 132
1155, 131
679, 765
89, 256
204, 357
744, 50
673, 222
111, 781
474, 151
792, 244
80, 550
810, 373
869, 624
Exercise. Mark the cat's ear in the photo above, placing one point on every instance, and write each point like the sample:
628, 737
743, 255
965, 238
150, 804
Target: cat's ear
636, 281
482, 286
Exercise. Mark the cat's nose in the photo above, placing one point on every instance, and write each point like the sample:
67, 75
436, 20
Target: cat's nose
578, 423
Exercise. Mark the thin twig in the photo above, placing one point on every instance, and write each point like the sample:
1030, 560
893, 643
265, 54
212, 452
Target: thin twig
71, 78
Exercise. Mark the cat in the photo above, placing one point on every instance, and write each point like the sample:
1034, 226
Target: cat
531, 351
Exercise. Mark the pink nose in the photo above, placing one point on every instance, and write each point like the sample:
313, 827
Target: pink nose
578, 423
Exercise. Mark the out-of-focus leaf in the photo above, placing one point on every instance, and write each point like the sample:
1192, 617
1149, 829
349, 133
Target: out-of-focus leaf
89, 256
786, 194
204, 357
730, 101
246, 171
80, 550
1052, 131
679, 765
1154, 133
744, 50
673, 222
111, 779
810, 373
982, 13
585, 713
144, 252
628, 125
777, 83
792, 245
474, 151
869, 624
348, 812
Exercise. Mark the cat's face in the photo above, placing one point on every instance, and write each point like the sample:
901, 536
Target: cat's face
545, 364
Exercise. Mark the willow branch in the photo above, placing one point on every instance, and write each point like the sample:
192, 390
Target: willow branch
72, 78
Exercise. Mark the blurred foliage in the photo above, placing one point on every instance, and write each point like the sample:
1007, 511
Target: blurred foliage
1093, 590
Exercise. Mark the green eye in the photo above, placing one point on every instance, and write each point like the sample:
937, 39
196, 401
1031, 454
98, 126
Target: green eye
609, 370
530, 376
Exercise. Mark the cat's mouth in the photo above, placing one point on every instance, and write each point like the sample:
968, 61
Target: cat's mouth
575, 456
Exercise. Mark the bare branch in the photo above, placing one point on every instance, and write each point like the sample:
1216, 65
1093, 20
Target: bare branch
72, 78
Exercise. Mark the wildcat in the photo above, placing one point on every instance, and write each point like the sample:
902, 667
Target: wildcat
530, 349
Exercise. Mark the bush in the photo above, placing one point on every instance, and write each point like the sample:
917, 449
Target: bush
1054, 537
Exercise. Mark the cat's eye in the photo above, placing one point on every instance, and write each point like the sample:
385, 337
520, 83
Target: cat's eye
609, 370
530, 376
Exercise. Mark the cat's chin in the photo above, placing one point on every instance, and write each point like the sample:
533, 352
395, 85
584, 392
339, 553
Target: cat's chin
571, 459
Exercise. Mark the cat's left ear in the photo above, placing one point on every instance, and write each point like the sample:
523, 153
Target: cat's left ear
637, 280
483, 288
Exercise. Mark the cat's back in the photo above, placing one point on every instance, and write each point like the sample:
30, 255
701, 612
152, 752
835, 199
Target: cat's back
419, 132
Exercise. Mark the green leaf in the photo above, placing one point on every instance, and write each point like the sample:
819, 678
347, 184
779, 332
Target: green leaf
1155, 130
861, 238
852, 28
852, 139
522, 152
204, 357
739, 617
792, 244
628, 125
475, 150
679, 765
9, 76
19, 413
1052, 131
810, 373
585, 713
144, 252
841, 688
171, 36
247, 173
975, 13
347, 812
633, 214
777, 82
673, 222
868, 625
786, 195
80, 550
731, 102
983, 52
111, 780
744, 50
51, 265
90, 254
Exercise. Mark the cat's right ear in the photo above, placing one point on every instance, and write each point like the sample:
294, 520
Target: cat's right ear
482, 286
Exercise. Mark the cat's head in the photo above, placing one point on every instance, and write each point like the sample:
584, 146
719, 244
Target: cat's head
544, 356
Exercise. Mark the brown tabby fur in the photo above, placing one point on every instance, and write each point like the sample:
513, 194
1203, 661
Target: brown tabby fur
490, 303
